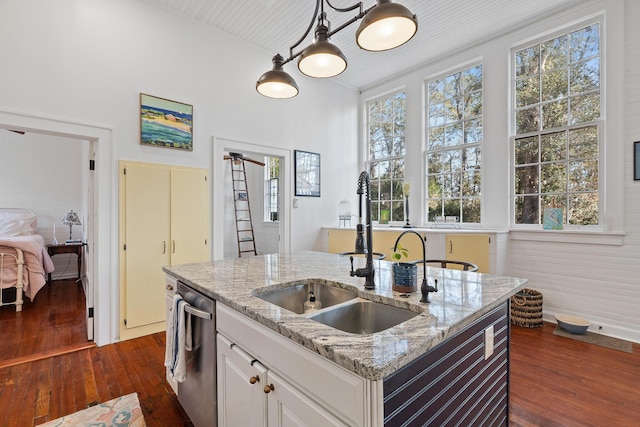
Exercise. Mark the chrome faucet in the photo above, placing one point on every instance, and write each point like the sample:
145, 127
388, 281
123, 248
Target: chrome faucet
364, 187
424, 288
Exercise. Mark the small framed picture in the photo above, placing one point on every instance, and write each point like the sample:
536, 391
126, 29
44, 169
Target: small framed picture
636, 160
307, 173
552, 219
165, 123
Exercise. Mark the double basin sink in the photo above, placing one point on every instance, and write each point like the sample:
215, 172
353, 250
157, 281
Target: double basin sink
340, 308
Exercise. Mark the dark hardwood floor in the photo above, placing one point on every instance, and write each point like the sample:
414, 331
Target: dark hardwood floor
53, 323
555, 381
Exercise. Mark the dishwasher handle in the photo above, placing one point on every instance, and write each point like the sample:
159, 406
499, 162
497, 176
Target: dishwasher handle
198, 313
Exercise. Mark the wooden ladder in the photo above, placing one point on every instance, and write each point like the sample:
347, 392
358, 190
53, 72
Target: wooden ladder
244, 225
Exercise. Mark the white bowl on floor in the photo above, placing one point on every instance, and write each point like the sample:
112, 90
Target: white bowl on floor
572, 324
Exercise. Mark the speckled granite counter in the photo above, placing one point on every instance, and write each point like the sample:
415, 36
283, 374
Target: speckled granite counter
462, 298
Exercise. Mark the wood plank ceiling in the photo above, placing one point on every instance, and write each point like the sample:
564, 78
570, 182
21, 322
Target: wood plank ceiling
445, 26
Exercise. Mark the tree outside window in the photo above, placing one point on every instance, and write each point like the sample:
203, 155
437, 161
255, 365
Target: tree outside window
454, 146
386, 147
557, 119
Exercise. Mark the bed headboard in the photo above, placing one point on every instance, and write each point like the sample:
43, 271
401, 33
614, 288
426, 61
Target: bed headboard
17, 222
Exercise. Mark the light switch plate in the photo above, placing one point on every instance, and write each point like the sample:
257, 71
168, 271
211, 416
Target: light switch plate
488, 342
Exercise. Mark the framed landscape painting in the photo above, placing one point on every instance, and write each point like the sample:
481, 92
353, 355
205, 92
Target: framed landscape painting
165, 123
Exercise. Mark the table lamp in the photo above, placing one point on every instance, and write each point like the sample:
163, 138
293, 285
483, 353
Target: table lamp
71, 219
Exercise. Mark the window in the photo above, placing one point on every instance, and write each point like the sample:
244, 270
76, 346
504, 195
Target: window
271, 189
386, 146
557, 128
454, 146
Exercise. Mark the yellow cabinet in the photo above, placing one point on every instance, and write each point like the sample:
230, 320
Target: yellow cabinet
164, 220
471, 248
344, 240
189, 215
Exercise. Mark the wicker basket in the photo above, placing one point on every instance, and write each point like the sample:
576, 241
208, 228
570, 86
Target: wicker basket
526, 308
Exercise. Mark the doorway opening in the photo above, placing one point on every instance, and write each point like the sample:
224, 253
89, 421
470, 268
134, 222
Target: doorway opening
97, 211
272, 229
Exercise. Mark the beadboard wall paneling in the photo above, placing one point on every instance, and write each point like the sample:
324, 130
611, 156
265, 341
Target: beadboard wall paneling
598, 282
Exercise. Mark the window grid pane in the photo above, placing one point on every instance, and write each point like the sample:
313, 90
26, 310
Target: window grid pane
386, 147
454, 146
271, 189
557, 108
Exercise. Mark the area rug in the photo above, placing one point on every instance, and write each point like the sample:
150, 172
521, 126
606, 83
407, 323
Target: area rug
597, 339
122, 411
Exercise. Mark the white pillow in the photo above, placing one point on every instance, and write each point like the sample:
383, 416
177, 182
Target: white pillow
17, 222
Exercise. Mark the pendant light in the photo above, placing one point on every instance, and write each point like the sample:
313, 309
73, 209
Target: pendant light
277, 83
322, 59
384, 26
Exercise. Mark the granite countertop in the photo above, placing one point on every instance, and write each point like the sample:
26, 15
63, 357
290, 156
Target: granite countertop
462, 298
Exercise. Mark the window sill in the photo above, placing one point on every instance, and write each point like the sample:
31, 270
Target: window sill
569, 236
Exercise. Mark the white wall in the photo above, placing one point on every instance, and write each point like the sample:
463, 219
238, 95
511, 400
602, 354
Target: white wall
592, 275
43, 173
266, 234
87, 62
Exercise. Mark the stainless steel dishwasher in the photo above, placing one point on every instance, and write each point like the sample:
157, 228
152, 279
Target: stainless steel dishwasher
197, 394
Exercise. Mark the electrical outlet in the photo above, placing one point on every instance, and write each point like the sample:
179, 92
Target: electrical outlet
488, 342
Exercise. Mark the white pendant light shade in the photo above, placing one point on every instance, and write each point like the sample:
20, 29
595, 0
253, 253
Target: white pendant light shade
322, 59
386, 26
277, 83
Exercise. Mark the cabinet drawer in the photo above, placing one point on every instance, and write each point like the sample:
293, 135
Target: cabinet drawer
331, 386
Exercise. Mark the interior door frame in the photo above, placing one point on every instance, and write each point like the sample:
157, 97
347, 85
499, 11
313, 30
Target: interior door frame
224, 145
101, 297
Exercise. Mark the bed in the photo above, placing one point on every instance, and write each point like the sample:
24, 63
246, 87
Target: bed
24, 260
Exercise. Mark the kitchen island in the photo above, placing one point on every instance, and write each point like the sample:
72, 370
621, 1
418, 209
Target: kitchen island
454, 350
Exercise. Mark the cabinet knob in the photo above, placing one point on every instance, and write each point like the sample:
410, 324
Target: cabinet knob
169, 287
268, 388
254, 379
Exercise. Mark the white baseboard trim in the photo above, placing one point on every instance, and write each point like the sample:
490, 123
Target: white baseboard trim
599, 327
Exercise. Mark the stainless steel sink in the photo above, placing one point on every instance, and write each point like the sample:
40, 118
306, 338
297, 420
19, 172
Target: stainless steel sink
294, 296
363, 317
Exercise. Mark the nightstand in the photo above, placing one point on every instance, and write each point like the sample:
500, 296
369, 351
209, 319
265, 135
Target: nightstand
67, 249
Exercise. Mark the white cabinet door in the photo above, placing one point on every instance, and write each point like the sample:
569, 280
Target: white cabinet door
241, 381
287, 407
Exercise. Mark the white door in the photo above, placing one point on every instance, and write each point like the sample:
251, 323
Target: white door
287, 407
88, 258
241, 381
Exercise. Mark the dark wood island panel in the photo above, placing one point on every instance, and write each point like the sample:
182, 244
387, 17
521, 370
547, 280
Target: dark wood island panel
453, 384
